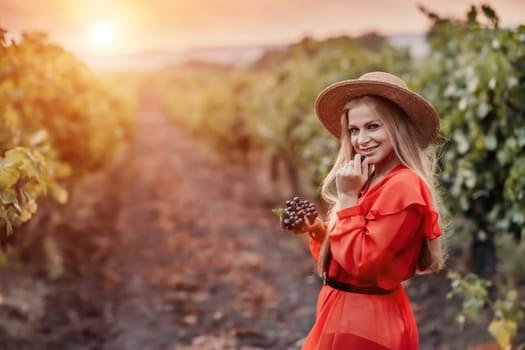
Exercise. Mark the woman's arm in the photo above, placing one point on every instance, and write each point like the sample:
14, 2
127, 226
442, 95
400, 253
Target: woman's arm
317, 232
362, 247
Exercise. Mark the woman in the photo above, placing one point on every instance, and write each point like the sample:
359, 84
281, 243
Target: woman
383, 226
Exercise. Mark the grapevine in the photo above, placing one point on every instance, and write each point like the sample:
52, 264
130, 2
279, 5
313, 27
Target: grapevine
59, 121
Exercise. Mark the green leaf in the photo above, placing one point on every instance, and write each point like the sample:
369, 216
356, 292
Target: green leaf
491, 143
280, 212
483, 109
463, 104
462, 142
492, 83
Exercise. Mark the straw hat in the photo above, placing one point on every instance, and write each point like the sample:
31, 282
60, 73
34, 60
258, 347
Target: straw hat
331, 101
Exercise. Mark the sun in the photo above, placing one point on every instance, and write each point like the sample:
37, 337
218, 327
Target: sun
102, 32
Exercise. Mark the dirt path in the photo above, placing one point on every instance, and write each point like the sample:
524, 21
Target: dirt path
172, 249
201, 261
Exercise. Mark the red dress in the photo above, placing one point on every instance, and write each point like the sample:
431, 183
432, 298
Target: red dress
375, 243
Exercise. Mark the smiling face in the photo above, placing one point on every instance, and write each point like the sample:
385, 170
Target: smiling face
369, 136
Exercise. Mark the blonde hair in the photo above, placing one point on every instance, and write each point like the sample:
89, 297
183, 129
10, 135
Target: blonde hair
400, 130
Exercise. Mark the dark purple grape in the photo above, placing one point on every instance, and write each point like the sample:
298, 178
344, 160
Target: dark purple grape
297, 212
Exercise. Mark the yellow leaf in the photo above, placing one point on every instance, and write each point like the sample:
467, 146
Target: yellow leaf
31, 206
8, 176
25, 215
58, 193
38, 137
7, 196
503, 331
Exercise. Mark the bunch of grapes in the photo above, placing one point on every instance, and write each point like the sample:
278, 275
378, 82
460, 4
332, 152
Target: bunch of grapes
295, 213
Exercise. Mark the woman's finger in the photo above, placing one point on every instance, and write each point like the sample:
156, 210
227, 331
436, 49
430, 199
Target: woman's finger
365, 165
357, 161
367, 169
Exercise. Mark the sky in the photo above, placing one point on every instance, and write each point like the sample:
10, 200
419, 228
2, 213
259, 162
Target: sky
105, 27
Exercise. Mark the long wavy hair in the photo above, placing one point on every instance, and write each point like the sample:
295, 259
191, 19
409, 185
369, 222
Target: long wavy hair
400, 131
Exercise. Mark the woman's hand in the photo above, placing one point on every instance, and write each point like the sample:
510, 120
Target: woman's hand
315, 229
350, 179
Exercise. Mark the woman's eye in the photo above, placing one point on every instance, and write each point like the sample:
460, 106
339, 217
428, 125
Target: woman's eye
373, 126
353, 131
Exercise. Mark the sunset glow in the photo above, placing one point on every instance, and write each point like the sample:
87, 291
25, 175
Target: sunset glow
102, 33
116, 27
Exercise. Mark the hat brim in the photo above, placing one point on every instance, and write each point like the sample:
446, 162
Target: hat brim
331, 101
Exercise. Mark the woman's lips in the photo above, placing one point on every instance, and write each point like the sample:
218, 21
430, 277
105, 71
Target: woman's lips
369, 150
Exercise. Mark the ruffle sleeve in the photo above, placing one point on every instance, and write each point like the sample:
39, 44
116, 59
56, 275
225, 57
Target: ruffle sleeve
366, 248
377, 240
404, 190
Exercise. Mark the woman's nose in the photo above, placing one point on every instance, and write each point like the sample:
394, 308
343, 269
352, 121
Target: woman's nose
363, 138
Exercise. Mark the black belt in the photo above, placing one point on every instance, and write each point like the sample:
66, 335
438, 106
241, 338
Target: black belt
353, 289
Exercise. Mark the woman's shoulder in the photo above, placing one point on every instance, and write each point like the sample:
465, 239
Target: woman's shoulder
399, 177
400, 189
402, 176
